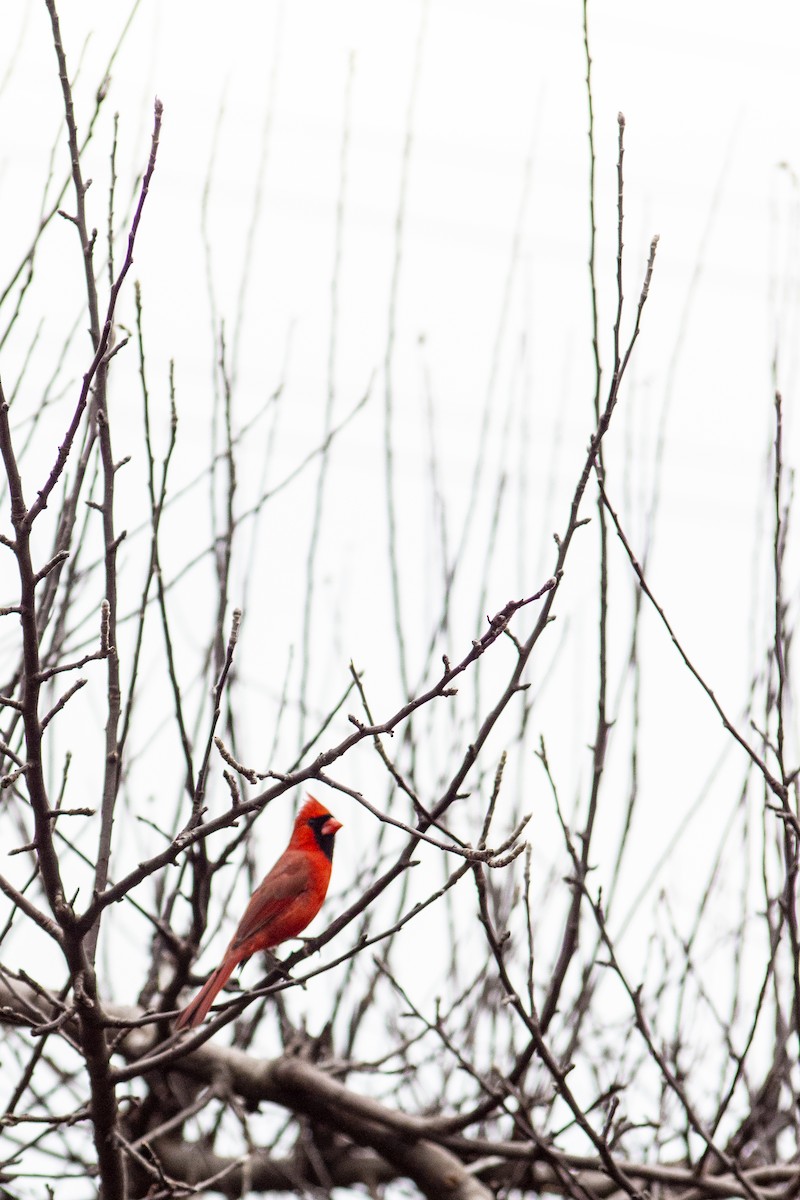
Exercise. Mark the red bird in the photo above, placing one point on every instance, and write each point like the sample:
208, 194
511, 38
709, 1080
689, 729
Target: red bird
287, 899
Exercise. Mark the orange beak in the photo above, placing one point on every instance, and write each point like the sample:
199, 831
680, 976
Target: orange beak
331, 826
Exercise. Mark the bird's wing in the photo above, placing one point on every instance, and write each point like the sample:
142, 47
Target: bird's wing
273, 899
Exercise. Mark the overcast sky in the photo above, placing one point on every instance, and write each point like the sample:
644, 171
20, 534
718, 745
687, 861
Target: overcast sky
475, 114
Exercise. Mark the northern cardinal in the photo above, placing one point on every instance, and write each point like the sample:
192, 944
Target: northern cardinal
287, 899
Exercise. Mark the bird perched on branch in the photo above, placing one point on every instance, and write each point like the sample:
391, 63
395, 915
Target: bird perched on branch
287, 899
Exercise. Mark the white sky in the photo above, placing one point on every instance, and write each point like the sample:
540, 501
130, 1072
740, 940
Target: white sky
710, 94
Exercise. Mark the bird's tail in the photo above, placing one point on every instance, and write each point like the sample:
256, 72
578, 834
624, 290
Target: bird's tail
195, 1011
